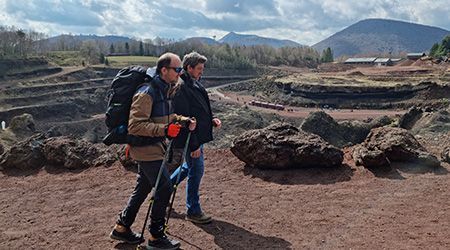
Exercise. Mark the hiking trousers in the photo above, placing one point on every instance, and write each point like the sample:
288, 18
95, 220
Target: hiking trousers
146, 179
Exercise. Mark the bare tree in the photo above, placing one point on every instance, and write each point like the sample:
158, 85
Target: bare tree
90, 51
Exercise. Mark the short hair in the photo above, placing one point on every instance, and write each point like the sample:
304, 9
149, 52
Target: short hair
192, 59
164, 61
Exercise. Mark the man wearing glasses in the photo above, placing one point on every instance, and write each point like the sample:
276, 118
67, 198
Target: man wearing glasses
151, 115
192, 100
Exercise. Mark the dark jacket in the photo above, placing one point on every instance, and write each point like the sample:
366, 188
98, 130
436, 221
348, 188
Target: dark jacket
150, 113
192, 100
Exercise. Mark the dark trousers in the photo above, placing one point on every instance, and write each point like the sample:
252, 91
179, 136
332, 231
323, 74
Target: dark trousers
146, 179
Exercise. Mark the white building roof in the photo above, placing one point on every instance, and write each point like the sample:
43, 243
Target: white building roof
382, 60
361, 60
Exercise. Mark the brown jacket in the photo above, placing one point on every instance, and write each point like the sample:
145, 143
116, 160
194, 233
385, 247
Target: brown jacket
150, 113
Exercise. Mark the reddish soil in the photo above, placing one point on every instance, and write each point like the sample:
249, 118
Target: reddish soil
349, 207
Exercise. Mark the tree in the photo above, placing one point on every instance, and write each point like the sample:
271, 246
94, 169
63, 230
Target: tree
90, 51
17, 43
141, 48
111, 49
443, 49
127, 48
445, 46
434, 49
102, 58
327, 55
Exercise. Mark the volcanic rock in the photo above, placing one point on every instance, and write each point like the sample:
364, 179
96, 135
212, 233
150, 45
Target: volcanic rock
394, 144
27, 154
282, 146
75, 154
340, 134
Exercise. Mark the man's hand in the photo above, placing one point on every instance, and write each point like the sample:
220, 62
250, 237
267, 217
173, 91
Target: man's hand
216, 122
173, 130
196, 153
192, 123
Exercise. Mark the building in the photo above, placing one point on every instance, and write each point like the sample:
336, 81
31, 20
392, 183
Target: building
370, 61
415, 56
383, 62
361, 60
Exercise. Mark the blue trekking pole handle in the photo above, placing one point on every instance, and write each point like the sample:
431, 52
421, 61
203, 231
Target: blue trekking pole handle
186, 146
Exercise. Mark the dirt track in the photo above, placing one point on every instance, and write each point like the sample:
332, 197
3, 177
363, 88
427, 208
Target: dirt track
297, 112
345, 208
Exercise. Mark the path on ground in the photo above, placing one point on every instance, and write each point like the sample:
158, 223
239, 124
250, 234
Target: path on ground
217, 94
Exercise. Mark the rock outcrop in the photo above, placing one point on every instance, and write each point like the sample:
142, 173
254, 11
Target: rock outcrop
23, 125
408, 120
387, 144
65, 152
75, 154
432, 122
282, 146
340, 134
25, 155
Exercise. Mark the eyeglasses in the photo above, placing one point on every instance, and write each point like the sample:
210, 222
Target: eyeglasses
176, 69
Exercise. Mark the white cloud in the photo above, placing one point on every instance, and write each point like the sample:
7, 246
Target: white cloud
304, 21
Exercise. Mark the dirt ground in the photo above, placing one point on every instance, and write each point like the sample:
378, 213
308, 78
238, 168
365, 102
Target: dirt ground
349, 207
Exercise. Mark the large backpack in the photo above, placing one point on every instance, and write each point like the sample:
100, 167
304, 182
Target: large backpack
120, 96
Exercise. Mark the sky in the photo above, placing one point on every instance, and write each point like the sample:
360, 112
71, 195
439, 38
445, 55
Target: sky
304, 21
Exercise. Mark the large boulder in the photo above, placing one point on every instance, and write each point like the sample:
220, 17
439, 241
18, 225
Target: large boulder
389, 144
372, 158
75, 154
433, 122
24, 155
408, 120
63, 152
282, 146
22, 125
343, 133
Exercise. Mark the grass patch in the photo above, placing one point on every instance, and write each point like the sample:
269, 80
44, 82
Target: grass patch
122, 61
65, 58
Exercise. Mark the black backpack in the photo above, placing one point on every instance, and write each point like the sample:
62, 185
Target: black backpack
120, 97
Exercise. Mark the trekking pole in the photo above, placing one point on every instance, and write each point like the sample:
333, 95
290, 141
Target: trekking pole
175, 185
155, 188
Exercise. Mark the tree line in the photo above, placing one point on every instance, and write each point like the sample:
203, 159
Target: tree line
16, 43
441, 49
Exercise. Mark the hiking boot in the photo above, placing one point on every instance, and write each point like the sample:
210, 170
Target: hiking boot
162, 242
199, 218
125, 234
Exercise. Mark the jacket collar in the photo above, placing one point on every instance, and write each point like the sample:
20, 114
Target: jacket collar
161, 84
187, 78
191, 82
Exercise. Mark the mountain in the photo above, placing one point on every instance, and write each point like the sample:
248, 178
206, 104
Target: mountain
248, 40
380, 36
77, 38
202, 40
